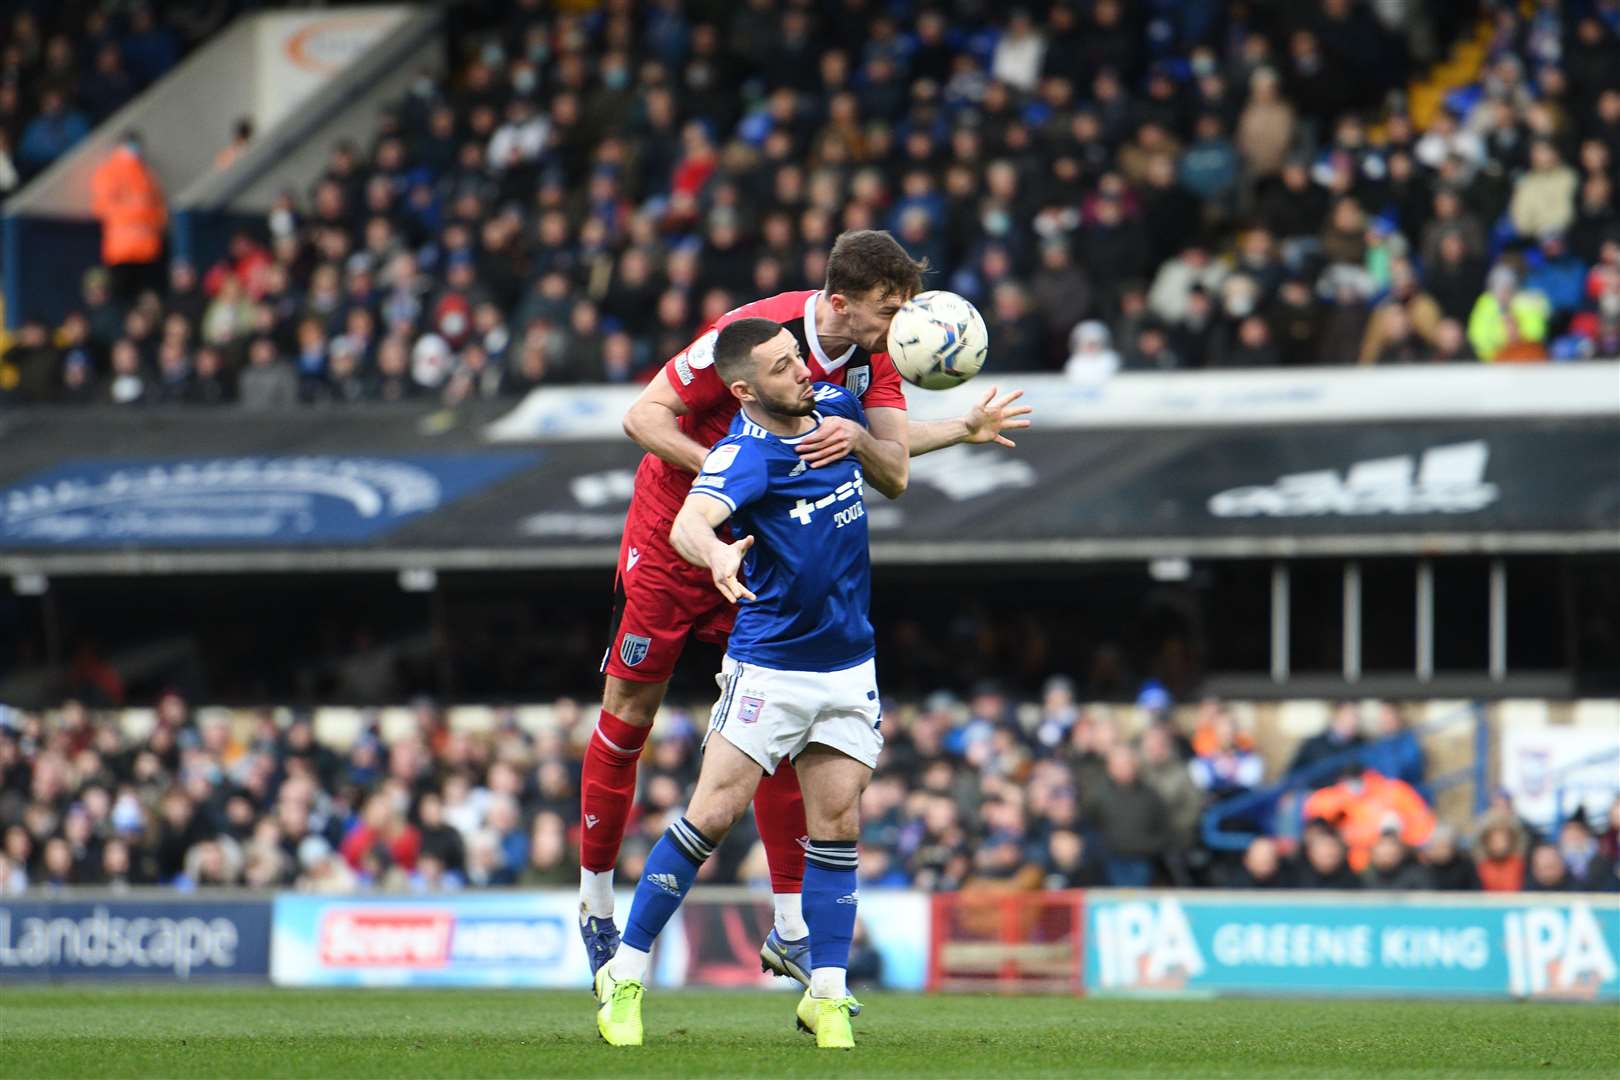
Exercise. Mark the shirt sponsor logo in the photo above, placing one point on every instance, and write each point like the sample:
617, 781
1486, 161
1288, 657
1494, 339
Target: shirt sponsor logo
804, 509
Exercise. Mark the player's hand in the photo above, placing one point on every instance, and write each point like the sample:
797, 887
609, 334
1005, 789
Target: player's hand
834, 440
726, 565
990, 417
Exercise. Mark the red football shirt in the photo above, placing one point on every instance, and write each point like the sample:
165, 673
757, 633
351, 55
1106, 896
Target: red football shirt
711, 406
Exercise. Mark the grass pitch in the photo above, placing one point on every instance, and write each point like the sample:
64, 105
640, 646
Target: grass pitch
242, 1032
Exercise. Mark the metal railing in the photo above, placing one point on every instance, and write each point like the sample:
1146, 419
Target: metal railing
1268, 802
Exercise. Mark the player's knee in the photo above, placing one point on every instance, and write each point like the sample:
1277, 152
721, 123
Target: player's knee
634, 703
717, 810
841, 820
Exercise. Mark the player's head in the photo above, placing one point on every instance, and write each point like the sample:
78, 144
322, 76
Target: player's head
759, 360
869, 275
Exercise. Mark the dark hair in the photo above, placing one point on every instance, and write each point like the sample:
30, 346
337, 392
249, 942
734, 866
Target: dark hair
735, 344
867, 259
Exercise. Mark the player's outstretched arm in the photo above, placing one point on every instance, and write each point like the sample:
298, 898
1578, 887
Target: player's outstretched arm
885, 463
694, 537
652, 421
985, 422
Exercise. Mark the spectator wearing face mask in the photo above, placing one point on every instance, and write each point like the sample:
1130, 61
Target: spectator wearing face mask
1091, 353
1589, 869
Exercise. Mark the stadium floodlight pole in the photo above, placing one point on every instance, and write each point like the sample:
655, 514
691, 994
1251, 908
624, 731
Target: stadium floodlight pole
1352, 621
1279, 623
1425, 620
1498, 620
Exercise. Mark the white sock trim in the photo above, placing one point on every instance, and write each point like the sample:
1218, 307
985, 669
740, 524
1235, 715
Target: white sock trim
629, 963
790, 922
596, 892
829, 982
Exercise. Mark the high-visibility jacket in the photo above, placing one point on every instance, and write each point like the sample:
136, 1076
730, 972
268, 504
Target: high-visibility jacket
1361, 815
1488, 329
125, 196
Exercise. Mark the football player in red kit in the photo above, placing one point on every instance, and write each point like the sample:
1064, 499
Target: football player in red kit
660, 599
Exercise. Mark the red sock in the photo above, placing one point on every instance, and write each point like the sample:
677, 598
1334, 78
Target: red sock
608, 789
779, 813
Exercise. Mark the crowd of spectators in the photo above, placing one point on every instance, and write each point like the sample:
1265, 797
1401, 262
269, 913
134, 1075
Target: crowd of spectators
1136, 186
966, 795
67, 66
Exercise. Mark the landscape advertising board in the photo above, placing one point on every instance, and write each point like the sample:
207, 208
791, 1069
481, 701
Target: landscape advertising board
1554, 946
120, 938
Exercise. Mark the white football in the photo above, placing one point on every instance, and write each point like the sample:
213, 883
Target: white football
937, 340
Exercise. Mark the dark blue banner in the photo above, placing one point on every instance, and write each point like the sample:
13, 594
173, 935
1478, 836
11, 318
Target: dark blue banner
229, 501
134, 939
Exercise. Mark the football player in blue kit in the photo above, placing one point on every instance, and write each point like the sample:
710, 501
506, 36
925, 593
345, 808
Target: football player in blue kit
798, 682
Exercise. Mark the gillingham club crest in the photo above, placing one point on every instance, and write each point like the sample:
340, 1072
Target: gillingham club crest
633, 649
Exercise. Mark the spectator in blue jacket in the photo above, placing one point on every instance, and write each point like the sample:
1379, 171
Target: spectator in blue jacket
151, 47
1395, 751
1557, 274
1209, 168
50, 134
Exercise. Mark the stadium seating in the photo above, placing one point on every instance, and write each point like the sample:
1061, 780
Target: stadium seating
988, 795
1119, 186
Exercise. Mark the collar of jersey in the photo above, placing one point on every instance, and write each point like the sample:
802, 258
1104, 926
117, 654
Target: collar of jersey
828, 365
763, 433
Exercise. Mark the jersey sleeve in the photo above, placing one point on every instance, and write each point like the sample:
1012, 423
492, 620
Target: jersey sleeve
735, 473
886, 391
691, 372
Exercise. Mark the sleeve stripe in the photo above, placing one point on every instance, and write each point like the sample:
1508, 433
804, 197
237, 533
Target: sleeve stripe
711, 493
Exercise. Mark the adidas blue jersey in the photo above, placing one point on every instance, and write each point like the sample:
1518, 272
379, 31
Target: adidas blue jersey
810, 569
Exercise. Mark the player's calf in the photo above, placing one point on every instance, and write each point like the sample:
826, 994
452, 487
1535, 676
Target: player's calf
832, 784
725, 786
607, 792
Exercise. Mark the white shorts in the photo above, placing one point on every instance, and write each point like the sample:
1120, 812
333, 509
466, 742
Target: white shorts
770, 714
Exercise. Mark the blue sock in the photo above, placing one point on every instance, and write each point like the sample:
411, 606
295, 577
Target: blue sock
672, 866
830, 898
